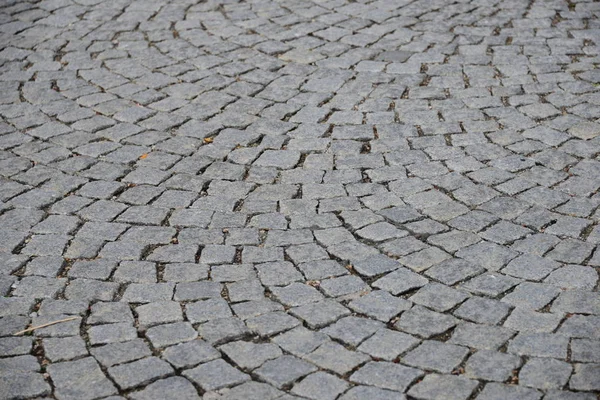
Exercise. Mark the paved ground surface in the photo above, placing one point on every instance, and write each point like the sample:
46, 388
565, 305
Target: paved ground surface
293, 199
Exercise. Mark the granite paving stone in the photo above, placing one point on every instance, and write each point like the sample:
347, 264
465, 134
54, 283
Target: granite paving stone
80, 379
178, 386
284, 370
24, 385
447, 386
320, 386
583, 378
491, 365
545, 374
117, 353
502, 391
139, 372
433, 355
386, 375
170, 334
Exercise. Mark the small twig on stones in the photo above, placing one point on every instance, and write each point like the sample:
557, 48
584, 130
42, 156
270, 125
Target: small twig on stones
33, 328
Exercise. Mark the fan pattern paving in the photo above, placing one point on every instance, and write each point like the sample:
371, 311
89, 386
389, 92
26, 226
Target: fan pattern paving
294, 199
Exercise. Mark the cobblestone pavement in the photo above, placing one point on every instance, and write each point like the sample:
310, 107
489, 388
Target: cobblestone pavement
296, 199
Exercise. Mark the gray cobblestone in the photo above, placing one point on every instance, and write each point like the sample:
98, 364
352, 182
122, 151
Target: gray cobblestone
501, 391
545, 374
483, 311
320, 314
539, 345
250, 356
481, 336
111, 333
222, 330
492, 366
320, 385
361, 392
583, 377
380, 305
189, 354
70, 379
284, 370
24, 385
174, 386
139, 372
169, 334
450, 387
425, 323
386, 375
432, 355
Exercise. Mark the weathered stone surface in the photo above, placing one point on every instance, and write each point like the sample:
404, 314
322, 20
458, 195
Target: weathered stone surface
299, 199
